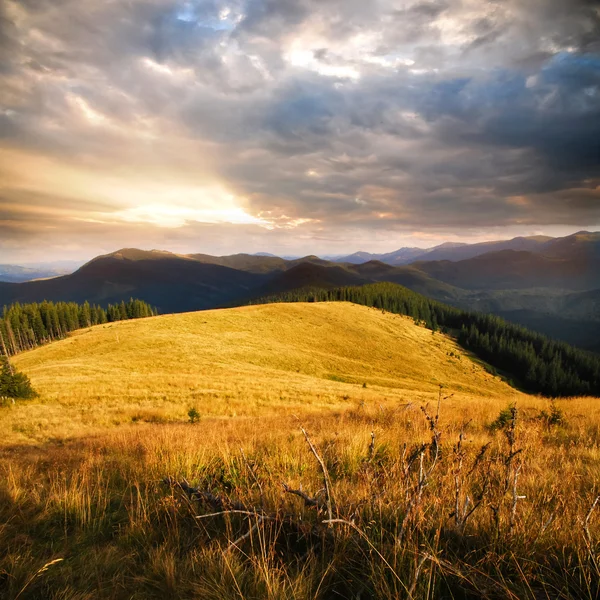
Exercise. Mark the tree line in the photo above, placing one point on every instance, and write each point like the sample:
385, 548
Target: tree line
26, 326
533, 361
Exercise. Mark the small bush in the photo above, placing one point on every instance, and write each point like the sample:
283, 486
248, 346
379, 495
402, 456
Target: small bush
553, 418
194, 415
503, 419
14, 384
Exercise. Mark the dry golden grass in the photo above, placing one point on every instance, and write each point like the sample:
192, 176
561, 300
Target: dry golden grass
248, 361
94, 495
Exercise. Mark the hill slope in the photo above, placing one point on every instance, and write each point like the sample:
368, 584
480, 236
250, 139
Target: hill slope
244, 361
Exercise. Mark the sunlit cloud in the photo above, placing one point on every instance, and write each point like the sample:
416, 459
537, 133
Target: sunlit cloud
92, 116
306, 59
175, 216
295, 126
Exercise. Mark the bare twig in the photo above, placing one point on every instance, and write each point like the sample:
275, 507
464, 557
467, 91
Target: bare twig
216, 502
308, 501
463, 512
544, 525
424, 472
326, 479
246, 513
479, 458
372, 447
413, 586
515, 499
244, 537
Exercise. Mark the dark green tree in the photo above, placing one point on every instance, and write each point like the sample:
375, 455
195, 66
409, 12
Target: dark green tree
12, 383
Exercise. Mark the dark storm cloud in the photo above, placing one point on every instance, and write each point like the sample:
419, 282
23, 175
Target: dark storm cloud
555, 114
381, 115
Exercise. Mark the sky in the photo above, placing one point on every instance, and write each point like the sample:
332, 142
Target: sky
294, 126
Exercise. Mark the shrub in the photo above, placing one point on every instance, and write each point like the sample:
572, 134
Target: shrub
504, 418
14, 384
554, 417
194, 415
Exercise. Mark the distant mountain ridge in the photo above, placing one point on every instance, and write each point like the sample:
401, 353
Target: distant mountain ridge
553, 288
176, 283
450, 251
22, 273
17, 274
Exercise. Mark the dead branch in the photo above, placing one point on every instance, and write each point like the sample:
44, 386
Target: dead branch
308, 501
227, 507
413, 586
246, 513
218, 503
252, 529
326, 480
515, 498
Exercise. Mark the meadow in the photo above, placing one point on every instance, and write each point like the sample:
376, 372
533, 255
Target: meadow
337, 451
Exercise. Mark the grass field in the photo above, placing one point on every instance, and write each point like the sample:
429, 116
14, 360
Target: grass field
423, 507
250, 361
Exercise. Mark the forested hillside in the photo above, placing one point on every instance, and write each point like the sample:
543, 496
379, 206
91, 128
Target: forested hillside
25, 326
532, 360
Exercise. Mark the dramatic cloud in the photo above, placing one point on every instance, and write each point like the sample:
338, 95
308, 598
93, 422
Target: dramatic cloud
294, 125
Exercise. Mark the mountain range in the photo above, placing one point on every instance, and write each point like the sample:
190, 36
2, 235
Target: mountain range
548, 284
450, 251
29, 272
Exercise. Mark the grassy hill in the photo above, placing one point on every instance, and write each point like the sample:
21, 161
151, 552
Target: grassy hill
108, 492
243, 361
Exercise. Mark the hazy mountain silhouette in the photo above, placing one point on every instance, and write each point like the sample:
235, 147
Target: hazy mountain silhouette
510, 269
20, 273
554, 289
171, 282
448, 251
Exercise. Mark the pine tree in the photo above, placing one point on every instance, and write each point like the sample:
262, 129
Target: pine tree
12, 383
